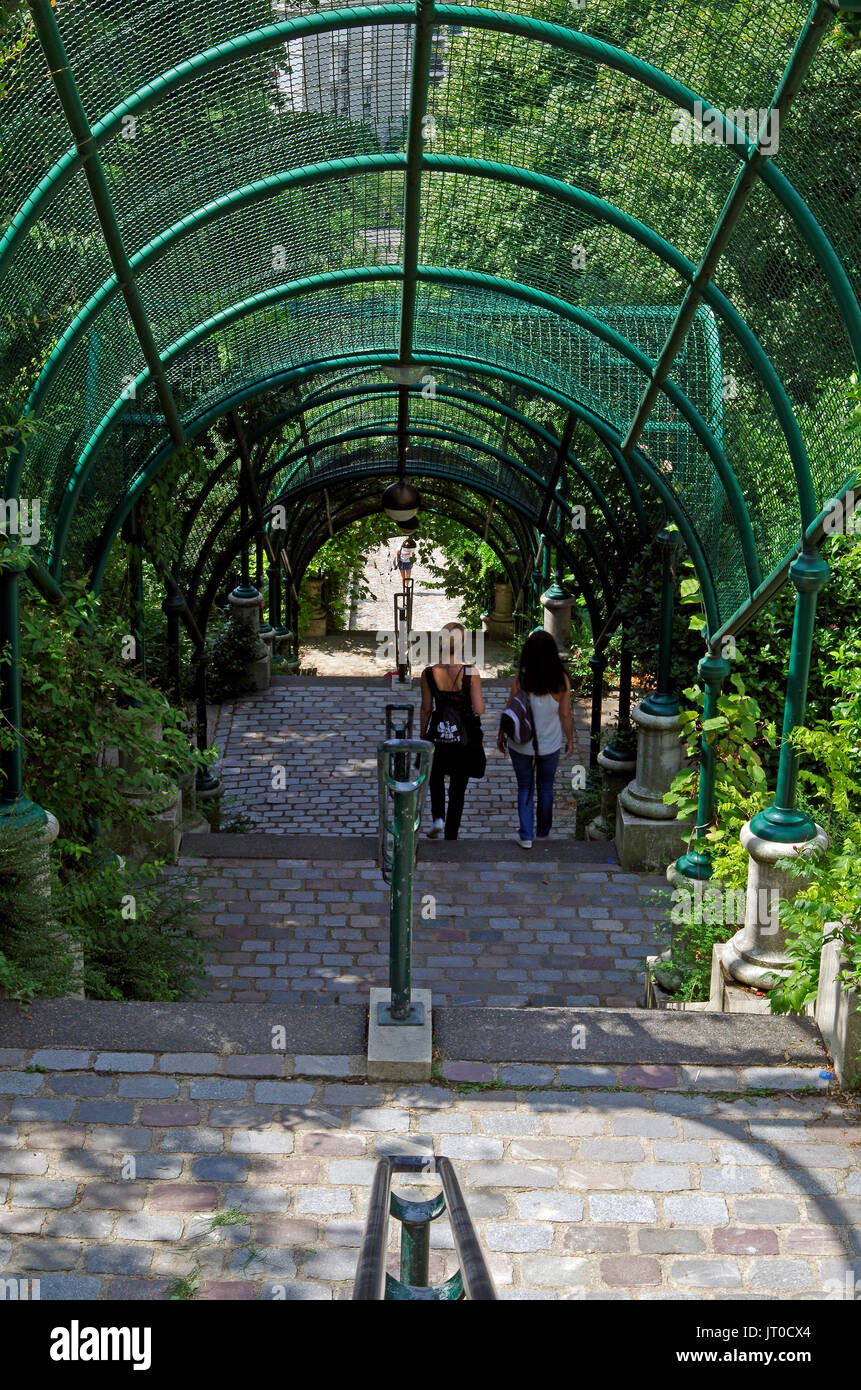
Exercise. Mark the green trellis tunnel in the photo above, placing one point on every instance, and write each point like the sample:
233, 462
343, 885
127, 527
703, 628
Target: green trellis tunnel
439, 241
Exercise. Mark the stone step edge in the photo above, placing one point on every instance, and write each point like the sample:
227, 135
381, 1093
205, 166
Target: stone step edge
277, 1075
262, 844
231, 1040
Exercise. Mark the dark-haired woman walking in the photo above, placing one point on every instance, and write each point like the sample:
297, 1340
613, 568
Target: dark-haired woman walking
542, 678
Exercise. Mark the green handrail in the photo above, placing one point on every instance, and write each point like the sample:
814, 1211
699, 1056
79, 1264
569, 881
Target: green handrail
407, 792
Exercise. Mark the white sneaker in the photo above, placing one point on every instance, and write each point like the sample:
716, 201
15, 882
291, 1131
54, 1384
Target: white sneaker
436, 830
524, 844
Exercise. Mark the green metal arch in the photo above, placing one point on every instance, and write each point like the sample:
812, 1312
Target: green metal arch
602, 429
245, 535
471, 279
555, 35
498, 407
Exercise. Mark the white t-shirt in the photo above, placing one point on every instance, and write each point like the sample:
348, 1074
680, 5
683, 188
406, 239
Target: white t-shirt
548, 727
405, 556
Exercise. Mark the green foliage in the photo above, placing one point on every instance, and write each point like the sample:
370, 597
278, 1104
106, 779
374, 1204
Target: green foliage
231, 645
138, 931
34, 957
74, 677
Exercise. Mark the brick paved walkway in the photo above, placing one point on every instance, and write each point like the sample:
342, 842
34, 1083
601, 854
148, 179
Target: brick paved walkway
507, 932
115, 1166
320, 737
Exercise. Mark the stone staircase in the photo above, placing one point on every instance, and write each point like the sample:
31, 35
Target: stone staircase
606, 1151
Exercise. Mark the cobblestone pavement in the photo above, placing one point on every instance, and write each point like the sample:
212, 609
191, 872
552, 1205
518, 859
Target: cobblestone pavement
301, 759
116, 1171
508, 932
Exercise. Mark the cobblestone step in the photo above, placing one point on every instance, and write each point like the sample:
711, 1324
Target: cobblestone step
123, 1172
531, 1048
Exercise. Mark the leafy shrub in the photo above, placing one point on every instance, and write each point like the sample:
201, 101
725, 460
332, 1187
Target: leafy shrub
138, 929
231, 645
35, 958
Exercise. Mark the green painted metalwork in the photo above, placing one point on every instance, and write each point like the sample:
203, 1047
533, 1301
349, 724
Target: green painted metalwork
783, 821
664, 701
696, 863
407, 789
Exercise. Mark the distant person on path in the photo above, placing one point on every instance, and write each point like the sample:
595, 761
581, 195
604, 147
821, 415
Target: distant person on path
451, 705
542, 679
405, 560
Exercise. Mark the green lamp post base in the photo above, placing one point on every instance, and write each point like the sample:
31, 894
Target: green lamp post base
19, 812
659, 703
783, 826
696, 864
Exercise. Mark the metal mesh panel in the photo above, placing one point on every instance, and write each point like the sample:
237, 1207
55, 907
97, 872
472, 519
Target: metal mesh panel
205, 198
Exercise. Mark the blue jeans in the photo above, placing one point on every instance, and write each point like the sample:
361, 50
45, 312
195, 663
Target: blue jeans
525, 771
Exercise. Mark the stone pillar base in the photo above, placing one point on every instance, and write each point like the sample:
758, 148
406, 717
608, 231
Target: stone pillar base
757, 955
615, 774
649, 845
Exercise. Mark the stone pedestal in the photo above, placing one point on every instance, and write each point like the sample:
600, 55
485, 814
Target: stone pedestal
615, 774
317, 625
499, 624
757, 955
245, 608
648, 833
557, 619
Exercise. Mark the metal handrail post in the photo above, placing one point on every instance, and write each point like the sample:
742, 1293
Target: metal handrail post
408, 797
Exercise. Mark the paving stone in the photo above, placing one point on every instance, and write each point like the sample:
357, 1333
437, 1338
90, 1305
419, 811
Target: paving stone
265, 1199
257, 1065
117, 1259
706, 1274
517, 1236
595, 1240
48, 1254
112, 1197
274, 1264
735, 1241
261, 1141
613, 1150
469, 1147
660, 1177
622, 1271
395, 1120
124, 1061
142, 1226
310, 1065
221, 1168
547, 1206
192, 1141
323, 1202
695, 1210
360, 1096
189, 1063
682, 1152
584, 1075
520, 1074
283, 1092
42, 1109
779, 1274
671, 1242
86, 1226
43, 1194
105, 1112
353, 1172
337, 1265
509, 1122
69, 1288
509, 1175
170, 1114
85, 1084
175, 1196
766, 1211
615, 1209
554, 1271
148, 1087
297, 1291
217, 1089
60, 1059
20, 1083
15, 1161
